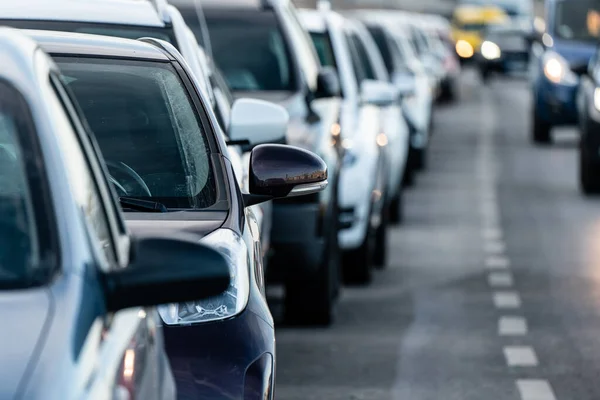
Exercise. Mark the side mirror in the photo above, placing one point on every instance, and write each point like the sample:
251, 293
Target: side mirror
328, 83
278, 171
405, 83
378, 93
166, 270
256, 122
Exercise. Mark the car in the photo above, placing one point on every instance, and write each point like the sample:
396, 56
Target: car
169, 166
134, 19
504, 51
559, 58
82, 288
520, 12
265, 53
408, 73
588, 107
364, 171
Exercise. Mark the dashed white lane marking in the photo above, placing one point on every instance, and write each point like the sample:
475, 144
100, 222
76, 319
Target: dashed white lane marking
494, 247
520, 356
535, 389
497, 262
512, 326
492, 234
507, 300
500, 279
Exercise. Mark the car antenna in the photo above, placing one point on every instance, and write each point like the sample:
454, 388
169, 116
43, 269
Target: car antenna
204, 29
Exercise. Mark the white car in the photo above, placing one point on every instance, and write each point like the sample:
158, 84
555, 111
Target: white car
363, 175
134, 19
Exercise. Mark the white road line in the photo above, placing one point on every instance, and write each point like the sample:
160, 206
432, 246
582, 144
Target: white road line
491, 234
500, 279
507, 300
494, 247
497, 262
535, 389
512, 326
520, 356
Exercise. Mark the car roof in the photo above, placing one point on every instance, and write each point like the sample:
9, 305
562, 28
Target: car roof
17, 54
126, 12
84, 44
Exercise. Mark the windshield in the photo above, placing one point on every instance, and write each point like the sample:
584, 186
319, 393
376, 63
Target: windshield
251, 51
147, 129
577, 20
121, 31
512, 8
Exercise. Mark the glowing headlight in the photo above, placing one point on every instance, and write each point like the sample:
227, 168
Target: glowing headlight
228, 304
490, 50
464, 49
597, 98
557, 69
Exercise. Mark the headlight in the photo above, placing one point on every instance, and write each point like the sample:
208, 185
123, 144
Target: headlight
597, 98
490, 50
557, 70
464, 49
228, 304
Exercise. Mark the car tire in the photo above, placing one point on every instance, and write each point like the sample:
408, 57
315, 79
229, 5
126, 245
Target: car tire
589, 174
396, 211
380, 249
420, 159
540, 130
357, 263
310, 300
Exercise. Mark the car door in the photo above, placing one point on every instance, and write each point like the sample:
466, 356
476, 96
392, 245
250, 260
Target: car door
126, 348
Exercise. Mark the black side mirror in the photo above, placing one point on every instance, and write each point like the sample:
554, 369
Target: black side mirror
328, 83
166, 270
278, 171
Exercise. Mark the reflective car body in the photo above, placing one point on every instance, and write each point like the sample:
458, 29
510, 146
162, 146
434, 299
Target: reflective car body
468, 23
505, 50
558, 59
265, 53
215, 350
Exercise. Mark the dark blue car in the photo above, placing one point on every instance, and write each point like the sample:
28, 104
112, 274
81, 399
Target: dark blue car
559, 58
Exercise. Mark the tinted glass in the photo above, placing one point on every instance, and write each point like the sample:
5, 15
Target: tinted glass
147, 128
578, 20
251, 51
382, 44
324, 48
364, 58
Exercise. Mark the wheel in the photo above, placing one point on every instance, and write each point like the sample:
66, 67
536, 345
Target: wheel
310, 300
380, 250
396, 211
420, 159
408, 179
356, 263
589, 174
540, 130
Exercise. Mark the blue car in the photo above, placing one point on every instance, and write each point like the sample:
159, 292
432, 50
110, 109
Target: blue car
559, 58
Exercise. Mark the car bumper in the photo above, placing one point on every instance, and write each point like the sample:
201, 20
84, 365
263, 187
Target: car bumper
232, 359
556, 103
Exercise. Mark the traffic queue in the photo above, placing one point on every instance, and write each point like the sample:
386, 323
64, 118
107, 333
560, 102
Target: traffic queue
163, 162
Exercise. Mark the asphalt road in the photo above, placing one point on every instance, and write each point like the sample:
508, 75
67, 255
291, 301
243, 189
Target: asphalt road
493, 286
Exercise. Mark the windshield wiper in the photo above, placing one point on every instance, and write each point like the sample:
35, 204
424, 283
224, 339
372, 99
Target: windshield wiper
142, 205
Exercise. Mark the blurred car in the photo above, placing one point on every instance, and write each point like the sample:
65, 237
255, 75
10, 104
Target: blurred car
588, 106
558, 59
168, 160
132, 19
468, 23
264, 52
79, 285
364, 170
408, 74
505, 50
520, 12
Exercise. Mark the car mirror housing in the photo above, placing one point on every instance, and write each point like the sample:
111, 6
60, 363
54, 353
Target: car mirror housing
255, 122
278, 171
166, 270
378, 93
406, 85
328, 83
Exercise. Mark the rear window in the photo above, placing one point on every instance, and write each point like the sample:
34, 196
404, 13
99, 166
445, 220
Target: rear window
251, 50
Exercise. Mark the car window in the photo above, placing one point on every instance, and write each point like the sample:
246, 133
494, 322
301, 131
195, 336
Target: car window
324, 48
384, 48
363, 56
24, 232
147, 128
359, 73
251, 51
578, 20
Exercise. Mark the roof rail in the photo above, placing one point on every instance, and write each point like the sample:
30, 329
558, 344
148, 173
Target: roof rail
161, 8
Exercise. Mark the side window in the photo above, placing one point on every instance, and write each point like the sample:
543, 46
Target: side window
364, 57
83, 181
359, 72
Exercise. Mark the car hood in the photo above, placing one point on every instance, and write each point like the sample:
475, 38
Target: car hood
196, 222
26, 313
576, 53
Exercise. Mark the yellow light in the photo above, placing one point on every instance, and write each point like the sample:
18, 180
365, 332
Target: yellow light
382, 140
553, 70
128, 364
464, 49
336, 129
